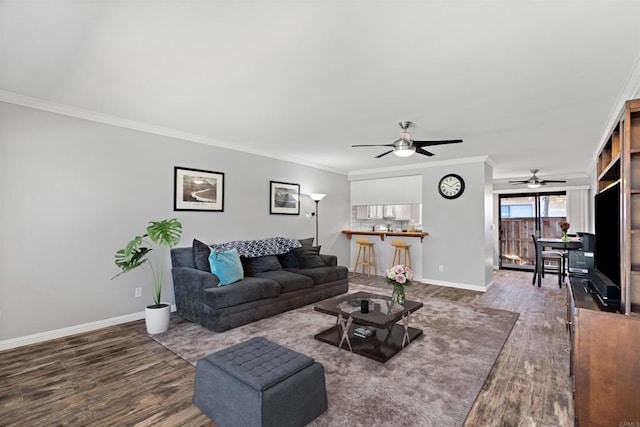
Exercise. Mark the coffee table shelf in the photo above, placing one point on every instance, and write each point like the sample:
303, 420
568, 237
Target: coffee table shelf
380, 347
390, 337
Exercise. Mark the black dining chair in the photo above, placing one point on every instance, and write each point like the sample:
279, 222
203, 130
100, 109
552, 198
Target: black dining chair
554, 255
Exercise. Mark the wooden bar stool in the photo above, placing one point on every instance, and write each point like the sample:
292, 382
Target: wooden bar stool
401, 250
368, 256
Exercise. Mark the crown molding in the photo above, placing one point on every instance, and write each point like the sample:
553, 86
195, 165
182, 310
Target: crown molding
629, 90
81, 113
414, 168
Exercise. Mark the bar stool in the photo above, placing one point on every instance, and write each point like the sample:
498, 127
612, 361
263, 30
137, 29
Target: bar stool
401, 249
368, 256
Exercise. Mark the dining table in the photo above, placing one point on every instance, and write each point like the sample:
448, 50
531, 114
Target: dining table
573, 243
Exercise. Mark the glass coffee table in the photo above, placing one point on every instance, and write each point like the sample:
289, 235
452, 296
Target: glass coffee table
388, 337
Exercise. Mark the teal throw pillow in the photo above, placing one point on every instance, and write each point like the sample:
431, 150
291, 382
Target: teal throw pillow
227, 266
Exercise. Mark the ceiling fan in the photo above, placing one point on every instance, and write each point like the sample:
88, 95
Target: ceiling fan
405, 146
535, 182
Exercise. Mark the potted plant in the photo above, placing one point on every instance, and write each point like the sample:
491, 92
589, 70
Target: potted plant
162, 234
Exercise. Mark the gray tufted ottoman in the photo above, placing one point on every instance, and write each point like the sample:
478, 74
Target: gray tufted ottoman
259, 383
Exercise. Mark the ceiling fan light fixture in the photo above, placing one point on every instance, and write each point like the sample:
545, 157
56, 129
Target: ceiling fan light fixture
533, 184
404, 148
404, 152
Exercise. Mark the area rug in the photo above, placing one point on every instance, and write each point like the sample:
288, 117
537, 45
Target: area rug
433, 381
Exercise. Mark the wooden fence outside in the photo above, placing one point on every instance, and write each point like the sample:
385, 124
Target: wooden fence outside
517, 247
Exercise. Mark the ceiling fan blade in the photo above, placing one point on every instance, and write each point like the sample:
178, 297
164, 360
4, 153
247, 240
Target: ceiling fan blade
384, 154
518, 182
420, 150
373, 145
551, 180
430, 143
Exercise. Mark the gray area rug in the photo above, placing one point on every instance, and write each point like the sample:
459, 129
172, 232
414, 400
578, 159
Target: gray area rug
432, 382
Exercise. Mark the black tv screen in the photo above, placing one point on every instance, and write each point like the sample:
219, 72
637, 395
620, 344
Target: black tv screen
607, 224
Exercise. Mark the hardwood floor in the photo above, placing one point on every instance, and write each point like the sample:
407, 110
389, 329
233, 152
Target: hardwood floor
120, 376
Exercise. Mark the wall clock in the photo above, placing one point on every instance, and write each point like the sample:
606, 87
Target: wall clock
451, 186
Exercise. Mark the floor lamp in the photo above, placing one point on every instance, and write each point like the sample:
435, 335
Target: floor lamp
316, 197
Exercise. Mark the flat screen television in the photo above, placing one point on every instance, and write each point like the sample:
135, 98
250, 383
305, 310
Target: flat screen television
605, 277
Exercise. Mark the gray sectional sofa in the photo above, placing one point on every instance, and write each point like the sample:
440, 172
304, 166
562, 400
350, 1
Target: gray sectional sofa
272, 284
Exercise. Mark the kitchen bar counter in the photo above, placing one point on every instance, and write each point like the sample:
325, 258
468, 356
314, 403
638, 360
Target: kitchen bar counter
382, 234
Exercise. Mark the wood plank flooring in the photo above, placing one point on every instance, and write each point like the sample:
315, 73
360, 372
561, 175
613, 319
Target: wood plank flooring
120, 376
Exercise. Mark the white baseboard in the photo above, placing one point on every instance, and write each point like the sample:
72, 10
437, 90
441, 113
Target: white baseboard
71, 330
457, 285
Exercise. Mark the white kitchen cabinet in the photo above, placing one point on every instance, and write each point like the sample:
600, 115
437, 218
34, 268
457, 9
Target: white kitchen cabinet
362, 212
403, 212
389, 211
387, 191
375, 212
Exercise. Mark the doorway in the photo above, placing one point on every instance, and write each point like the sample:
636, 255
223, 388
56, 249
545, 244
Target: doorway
522, 215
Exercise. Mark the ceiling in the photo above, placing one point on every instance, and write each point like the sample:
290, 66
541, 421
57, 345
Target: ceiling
531, 84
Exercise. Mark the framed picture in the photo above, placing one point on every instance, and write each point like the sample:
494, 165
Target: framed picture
198, 190
285, 198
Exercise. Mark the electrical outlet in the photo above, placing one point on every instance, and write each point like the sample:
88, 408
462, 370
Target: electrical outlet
138, 293
441, 268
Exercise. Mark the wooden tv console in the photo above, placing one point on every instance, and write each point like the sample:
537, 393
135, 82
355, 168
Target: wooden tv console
605, 361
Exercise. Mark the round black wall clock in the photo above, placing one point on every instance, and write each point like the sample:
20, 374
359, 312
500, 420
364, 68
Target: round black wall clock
451, 186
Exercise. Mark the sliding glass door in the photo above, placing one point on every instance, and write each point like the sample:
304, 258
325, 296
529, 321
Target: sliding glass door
523, 215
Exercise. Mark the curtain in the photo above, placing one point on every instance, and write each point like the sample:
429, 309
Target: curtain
578, 208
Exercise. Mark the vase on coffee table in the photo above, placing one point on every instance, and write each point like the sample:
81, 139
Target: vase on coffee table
398, 294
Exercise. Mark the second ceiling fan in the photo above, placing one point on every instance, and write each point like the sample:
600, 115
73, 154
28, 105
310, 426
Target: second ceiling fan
535, 182
406, 146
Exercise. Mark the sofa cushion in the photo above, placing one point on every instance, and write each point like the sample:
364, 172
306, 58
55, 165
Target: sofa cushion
201, 253
306, 242
288, 281
246, 290
259, 264
309, 257
322, 274
288, 260
227, 266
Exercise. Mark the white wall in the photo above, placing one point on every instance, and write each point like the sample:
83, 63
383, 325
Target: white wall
73, 191
460, 237
457, 229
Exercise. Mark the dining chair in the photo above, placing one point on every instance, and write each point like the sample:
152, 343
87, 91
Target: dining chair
548, 255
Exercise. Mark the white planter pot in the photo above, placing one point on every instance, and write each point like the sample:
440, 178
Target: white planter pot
157, 318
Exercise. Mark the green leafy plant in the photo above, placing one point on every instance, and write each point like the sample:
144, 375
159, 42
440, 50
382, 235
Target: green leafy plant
164, 234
